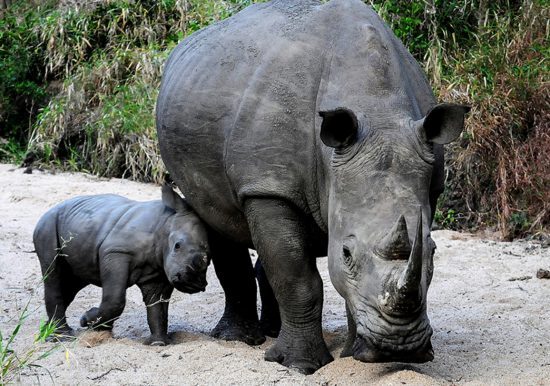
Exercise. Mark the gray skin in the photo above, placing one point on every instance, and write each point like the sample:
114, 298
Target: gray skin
305, 129
114, 243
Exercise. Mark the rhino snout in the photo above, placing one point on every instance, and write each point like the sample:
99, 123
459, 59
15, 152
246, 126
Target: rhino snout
399, 345
365, 350
189, 282
199, 262
192, 278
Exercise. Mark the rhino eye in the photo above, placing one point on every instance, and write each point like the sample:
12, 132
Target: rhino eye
177, 246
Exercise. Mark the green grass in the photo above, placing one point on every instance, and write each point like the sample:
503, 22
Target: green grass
15, 361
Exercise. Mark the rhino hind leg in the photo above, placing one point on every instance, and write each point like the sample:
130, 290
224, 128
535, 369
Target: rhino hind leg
283, 242
60, 289
236, 275
270, 319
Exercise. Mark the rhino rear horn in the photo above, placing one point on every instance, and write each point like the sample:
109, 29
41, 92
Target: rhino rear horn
396, 245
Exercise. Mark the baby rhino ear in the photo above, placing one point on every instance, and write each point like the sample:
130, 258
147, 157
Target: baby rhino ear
173, 200
443, 123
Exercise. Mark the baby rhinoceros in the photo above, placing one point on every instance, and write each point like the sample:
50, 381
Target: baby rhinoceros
113, 242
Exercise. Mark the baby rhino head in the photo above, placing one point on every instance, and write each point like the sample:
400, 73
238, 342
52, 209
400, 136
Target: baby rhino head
186, 252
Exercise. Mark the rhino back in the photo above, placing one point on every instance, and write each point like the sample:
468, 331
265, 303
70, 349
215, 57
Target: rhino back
237, 113
86, 225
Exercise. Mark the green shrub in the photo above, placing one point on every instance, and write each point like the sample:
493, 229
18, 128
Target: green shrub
110, 59
23, 88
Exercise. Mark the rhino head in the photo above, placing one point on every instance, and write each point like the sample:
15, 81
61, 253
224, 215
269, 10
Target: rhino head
379, 219
186, 249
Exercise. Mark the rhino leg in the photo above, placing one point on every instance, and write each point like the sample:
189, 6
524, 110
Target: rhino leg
114, 272
270, 320
60, 289
156, 296
234, 270
284, 247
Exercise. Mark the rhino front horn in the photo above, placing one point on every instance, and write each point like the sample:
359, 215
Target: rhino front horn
410, 279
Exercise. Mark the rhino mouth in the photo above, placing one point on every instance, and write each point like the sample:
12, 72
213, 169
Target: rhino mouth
190, 288
366, 350
384, 338
389, 342
190, 283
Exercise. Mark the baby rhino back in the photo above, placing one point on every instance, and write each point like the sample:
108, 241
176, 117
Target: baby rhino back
76, 230
114, 243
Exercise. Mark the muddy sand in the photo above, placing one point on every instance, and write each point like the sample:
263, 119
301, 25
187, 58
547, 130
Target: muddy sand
489, 311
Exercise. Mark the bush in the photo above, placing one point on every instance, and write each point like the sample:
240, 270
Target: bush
105, 60
23, 89
500, 170
94, 71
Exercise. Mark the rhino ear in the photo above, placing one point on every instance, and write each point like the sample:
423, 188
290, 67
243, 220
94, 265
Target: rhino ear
444, 123
173, 200
339, 127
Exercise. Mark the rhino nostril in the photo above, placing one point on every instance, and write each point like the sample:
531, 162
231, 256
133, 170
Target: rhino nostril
178, 276
200, 262
347, 252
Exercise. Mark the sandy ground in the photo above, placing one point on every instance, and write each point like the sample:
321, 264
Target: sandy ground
490, 313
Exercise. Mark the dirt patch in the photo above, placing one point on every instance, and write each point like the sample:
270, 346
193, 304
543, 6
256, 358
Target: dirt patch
489, 326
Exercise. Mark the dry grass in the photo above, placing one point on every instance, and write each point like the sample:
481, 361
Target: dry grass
500, 172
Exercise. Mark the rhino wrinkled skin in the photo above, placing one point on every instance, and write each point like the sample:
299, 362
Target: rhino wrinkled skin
113, 242
305, 129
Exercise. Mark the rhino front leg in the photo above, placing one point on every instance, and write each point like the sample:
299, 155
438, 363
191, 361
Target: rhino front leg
236, 274
156, 296
114, 272
284, 247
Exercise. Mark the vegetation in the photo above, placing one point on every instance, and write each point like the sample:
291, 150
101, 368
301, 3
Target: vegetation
78, 86
13, 362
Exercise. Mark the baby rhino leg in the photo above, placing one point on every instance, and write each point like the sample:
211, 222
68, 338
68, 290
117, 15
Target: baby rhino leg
156, 296
60, 288
114, 270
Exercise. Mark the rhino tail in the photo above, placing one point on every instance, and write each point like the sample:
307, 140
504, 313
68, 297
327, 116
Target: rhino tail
46, 243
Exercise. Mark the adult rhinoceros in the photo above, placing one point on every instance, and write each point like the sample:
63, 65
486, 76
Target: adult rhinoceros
294, 126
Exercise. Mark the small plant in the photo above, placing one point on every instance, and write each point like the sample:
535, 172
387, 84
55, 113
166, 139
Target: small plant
447, 219
11, 150
12, 362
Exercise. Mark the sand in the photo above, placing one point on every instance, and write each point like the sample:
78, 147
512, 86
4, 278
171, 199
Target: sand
489, 311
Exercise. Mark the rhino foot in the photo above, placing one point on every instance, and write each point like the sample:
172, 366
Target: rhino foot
306, 359
64, 334
238, 329
156, 340
94, 320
